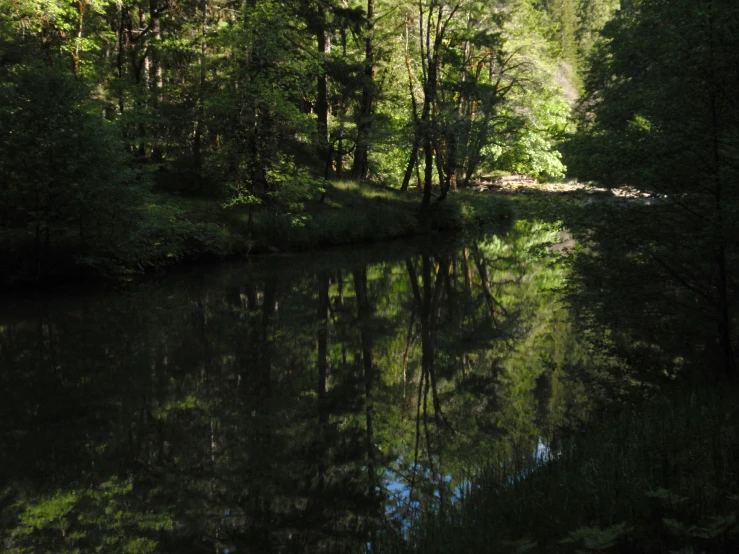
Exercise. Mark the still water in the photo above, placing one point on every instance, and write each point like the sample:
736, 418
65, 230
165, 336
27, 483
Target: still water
293, 404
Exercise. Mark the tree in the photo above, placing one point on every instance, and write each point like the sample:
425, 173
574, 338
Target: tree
565, 15
64, 179
359, 169
661, 115
592, 16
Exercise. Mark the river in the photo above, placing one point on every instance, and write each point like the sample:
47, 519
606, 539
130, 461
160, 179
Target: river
296, 403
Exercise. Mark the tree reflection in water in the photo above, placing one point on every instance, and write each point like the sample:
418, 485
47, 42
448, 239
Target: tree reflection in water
278, 408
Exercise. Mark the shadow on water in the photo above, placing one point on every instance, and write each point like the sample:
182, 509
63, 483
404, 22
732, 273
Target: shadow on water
292, 405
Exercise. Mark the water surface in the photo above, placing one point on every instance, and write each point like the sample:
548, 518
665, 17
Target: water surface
294, 404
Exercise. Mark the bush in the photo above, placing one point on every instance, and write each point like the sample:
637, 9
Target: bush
65, 182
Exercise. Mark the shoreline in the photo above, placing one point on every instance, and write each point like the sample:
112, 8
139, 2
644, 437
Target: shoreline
208, 234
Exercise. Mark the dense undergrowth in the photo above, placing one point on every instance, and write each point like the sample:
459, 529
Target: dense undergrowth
172, 229
354, 212
660, 475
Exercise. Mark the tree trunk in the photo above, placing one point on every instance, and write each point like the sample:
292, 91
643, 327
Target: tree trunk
484, 280
428, 138
198, 135
156, 79
119, 58
412, 163
413, 160
76, 53
324, 149
359, 169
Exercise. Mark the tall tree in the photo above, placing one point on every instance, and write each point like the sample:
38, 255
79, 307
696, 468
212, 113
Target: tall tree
359, 169
661, 114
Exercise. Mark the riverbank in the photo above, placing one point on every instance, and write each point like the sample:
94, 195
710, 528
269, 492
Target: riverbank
172, 230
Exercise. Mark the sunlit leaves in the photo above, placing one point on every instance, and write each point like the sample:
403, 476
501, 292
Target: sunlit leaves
87, 520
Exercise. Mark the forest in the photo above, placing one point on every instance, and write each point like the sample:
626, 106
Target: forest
139, 134
369, 276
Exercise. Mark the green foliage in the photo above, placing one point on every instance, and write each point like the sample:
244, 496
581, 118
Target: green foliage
597, 539
565, 16
229, 104
65, 180
656, 117
52, 512
528, 109
354, 212
253, 114
593, 16
102, 520
649, 101
170, 233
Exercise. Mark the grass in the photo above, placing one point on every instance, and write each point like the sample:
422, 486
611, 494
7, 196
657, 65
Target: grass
662, 476
354, 213
350, 213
